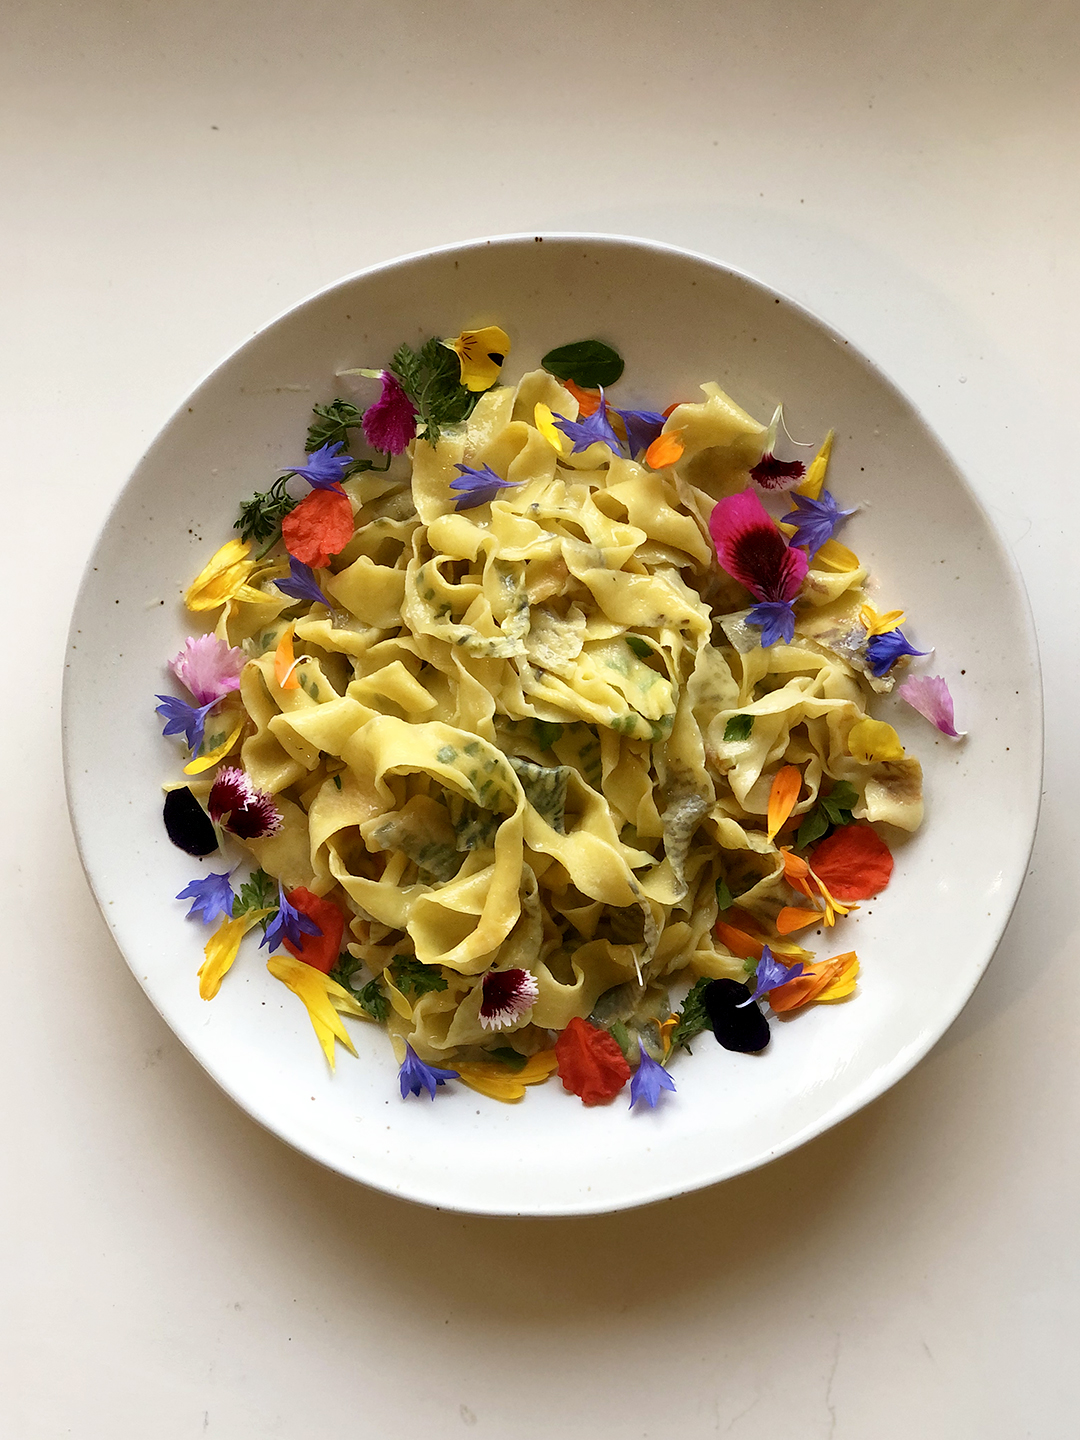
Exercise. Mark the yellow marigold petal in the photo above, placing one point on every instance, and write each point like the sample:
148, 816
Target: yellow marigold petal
222, 578
834, 556
285, 661
876, 623
666, 449
544, 421
481, 354
498, 1083
321, 998
783, 797
791, 918
844, 983
222, 949
815, 476
872, 740
219, 751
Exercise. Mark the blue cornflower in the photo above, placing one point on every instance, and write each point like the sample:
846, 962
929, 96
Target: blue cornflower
300, 584
769, 974
595, 427
776, 619
325, 469
478, 487
642, 428
182, 718
649, 1080
815, 521
288, 924
211, 896
415, 1076
883, 651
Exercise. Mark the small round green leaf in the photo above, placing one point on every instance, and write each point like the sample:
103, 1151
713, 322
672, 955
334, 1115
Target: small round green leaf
589, 363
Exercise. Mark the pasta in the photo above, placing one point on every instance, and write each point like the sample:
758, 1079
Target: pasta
532, 748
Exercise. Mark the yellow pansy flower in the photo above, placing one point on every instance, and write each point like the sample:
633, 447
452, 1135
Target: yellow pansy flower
481, 354
872, 740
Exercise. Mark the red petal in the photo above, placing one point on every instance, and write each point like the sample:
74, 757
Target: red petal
319, 951
751, 548
854, 863
590, 1062
320, 526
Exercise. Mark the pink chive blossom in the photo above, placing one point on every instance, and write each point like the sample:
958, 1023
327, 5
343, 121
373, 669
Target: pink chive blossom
929, 695
508, 994
236, 805
208, 667
390, 423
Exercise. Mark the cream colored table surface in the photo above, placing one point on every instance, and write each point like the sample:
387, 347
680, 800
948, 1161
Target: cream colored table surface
174, 174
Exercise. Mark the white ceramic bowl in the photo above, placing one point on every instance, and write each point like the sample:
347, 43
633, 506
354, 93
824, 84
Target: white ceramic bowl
678, 319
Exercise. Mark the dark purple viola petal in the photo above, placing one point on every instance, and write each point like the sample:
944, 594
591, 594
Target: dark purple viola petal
772, 474
187, 824
736, 1025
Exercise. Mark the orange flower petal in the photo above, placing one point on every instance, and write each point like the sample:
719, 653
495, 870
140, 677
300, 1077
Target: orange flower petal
791, 919
285, 662
588, 400
854, 863
666, 449
795, 867
738, 942
815, 981
782, 797
320, 526
672, 408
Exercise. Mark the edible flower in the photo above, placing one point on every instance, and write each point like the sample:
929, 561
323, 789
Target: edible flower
667, 449
478, 486
415, 1076
736, 1020
289, 924
320, 946
187, 824
587, 400
854, 863
224, 577
752, 550
500, 1082
326, 467
238, 806
874, 622
300, 584
210, 896
544, 421
769, 974
208, 667
285, 661
649, 1081
390, 423
642, 428
220, 743
507, 995
320, 526
322, 998
824, 980
883, 651
815, 521
783, 797
222, 949
595, 429
815, 475
930, 696
769, 473
591, 1065
182, 718
873, 741
793, 918
480, 354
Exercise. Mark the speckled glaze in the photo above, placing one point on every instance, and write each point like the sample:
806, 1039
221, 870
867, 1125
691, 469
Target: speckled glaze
678, 319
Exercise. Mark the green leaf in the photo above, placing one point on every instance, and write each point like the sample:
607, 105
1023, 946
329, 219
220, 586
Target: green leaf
692, 1017
724, 898
332, 424
506, 1056
641, 648
431, 377
619, 1033
258, 892
589, 363
262, 515
413, 977
739, 727
374, 1001
812, 828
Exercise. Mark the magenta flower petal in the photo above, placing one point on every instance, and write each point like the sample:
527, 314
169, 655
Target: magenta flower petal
508, 994
208, 667
930, 696
752, 550
415, 1076
237, 805
390, 423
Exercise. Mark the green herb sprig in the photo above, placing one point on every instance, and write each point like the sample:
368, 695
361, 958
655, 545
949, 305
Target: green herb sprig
258, 892
413, 977
831, 811
261, 516
692, 1017
431, 377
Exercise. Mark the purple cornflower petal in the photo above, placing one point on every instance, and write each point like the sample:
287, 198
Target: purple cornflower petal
769, 974
390, 423
238, 806
929, 695
325, 469
478, 487
415, 1076
642, 428
815, 521
507, 995
208, 667
883, 651
649, 1080
288, 924
300, 584
182, 718
776, 619
595, 428
775, 475
210, 897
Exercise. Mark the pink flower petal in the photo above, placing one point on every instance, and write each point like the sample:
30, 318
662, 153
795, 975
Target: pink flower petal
929, 695
208, 667
752, 550
390, 423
